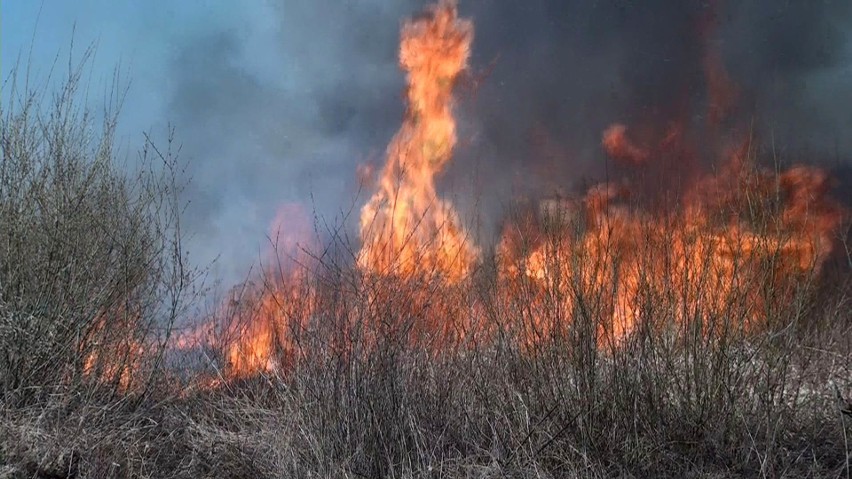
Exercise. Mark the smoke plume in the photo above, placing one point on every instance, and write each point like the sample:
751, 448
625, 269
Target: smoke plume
548, 77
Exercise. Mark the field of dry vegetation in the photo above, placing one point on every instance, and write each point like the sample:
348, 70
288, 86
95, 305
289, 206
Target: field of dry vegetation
600, 338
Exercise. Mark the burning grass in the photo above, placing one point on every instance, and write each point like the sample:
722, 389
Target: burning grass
616, 333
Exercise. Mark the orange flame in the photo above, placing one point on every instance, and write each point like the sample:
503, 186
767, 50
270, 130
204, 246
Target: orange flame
260, 330
737, 245
262, 340
728, 251
619, 147
113, 357
406, 229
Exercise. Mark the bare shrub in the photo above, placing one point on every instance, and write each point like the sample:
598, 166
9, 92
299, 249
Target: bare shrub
92, 271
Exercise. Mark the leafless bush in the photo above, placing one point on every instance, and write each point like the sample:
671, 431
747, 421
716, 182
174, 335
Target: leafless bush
92, 272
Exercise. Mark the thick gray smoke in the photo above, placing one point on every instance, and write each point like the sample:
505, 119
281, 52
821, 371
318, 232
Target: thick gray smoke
547, 77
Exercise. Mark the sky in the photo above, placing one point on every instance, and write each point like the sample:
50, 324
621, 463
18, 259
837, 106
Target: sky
276, 103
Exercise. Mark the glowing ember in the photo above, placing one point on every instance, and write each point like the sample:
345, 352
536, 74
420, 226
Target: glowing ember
406, 229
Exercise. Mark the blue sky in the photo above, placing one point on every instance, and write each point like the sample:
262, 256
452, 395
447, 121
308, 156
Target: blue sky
139, 38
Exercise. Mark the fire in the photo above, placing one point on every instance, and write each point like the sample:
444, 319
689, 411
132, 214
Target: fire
733, 245
619, 147
406, 229
111, 353
261, 335
694, 261
264, 318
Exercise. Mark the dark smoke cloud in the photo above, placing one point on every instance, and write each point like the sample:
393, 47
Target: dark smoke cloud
290, 122
566, 69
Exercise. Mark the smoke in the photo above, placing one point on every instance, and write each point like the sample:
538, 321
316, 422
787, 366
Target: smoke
284, 111
282, 117
568, 69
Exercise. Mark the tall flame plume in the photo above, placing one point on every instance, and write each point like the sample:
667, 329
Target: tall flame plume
406, 229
